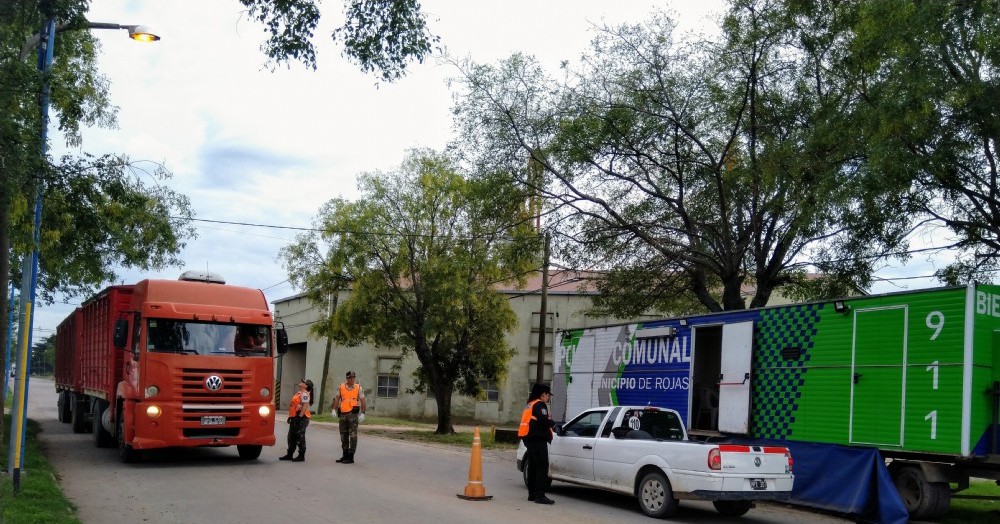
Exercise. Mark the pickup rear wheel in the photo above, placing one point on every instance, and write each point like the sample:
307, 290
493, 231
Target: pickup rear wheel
656, 498
732, 508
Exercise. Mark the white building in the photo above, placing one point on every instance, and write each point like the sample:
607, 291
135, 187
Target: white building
569, 296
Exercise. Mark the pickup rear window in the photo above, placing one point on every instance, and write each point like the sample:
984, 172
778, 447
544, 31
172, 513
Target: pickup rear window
649, 425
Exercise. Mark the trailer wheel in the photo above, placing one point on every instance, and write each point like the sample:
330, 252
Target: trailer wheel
919, 496
943, 499
248, 452
64, 408
656, 498
79, 415
732, 508
102, 438
126, 453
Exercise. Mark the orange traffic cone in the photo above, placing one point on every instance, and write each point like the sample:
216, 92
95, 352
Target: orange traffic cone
474, 490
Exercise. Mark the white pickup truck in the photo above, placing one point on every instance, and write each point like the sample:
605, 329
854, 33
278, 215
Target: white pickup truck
645, 452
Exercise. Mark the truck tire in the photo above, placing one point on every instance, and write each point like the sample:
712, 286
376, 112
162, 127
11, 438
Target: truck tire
248, 452
732, 508
656, 498
102, 438
64, 407
126, 453
943, 500
79, 413
919, 496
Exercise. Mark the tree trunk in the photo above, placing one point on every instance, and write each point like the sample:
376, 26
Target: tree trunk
442, 394
5, 271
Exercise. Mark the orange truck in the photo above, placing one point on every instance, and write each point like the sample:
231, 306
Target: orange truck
170, 363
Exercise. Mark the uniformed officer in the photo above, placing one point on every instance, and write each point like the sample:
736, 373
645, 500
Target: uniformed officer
298, 421
349, 404
536, 433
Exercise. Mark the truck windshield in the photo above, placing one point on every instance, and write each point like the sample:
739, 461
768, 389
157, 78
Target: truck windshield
207, 338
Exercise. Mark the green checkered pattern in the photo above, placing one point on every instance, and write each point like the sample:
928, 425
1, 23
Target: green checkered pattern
778, 382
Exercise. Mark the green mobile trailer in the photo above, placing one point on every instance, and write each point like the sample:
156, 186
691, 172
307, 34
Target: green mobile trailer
914, 374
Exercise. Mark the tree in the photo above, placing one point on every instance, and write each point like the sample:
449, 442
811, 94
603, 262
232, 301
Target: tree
422, 251
927, 78
700, 169
100, 215
381, 36
43, 356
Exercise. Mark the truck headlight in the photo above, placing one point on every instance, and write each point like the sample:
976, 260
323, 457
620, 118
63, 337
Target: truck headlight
265, 411
152, 391
153, 411
265, 393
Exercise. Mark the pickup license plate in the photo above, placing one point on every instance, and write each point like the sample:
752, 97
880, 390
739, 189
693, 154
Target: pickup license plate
758, 484
218, 421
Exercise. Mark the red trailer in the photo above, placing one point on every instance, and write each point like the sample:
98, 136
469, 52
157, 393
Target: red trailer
164, 363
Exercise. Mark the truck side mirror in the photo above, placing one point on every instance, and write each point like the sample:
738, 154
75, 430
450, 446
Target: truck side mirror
121, 333
282, 337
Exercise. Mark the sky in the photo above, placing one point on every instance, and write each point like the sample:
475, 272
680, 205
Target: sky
252, 145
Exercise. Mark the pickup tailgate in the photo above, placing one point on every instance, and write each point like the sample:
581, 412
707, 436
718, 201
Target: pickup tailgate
754, 460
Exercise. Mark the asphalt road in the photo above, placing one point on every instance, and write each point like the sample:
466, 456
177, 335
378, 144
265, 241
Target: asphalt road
392, 481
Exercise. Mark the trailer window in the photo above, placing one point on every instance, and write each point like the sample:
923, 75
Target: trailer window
207, 338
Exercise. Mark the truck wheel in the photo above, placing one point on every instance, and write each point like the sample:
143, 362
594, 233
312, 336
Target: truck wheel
732, 508
943, 500
656, 498
126, 453
919, 496
79, 415
65, 409
248, 452
102, 438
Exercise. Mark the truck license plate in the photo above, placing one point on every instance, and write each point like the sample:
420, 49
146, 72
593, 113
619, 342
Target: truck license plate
758, 484
218, 421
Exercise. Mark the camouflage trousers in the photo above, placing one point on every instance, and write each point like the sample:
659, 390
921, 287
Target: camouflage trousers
349, 432
297, 434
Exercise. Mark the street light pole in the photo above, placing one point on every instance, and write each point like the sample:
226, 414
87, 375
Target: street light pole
45, 40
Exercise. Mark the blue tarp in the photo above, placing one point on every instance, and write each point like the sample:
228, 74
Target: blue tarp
843, 479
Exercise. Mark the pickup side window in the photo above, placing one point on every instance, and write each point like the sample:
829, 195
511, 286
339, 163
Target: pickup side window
585, 425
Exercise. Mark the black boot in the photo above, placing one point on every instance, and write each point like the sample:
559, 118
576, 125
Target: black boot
286, 456
343, 457
301, 457
349, 459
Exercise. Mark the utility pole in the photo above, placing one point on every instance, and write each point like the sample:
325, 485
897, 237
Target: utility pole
543, 313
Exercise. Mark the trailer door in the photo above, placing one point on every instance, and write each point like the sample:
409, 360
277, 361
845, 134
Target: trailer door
734, 378
878, 377
580, 390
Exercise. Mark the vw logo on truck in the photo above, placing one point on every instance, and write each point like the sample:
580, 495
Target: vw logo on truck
213, 383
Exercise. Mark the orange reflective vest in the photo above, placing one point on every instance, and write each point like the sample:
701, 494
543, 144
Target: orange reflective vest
526, 418
349, 398
299, 406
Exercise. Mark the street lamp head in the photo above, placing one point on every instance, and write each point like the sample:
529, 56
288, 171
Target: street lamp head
142, 33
